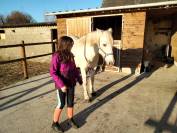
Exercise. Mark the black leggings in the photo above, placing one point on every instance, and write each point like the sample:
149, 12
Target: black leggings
69, 95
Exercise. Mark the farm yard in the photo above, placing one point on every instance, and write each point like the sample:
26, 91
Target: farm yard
124, 104
13, 72
138, 96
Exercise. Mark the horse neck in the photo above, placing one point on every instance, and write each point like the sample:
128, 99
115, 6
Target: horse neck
90, 42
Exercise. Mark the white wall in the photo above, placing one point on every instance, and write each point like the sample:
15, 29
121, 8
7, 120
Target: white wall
29, 35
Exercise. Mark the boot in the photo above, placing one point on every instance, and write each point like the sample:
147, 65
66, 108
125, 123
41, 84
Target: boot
56, 126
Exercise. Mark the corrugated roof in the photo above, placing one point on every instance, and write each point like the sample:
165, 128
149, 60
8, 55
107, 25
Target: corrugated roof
111, 3
167, 4
28, 25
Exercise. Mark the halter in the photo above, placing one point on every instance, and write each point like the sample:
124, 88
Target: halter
106, 54
99, 48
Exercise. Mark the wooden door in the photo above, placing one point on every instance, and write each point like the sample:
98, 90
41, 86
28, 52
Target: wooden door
78, 26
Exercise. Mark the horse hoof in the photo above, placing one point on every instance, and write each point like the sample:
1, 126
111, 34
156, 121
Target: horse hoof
93, 94
88, 100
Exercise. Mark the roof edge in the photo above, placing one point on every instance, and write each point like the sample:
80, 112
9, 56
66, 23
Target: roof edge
28, 25
168, 3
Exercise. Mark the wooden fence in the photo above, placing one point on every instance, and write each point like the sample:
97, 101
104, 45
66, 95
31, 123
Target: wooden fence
23, 54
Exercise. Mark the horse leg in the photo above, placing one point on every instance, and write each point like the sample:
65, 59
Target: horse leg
84, 78
91, 85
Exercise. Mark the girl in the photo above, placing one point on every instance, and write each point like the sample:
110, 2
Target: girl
65, 75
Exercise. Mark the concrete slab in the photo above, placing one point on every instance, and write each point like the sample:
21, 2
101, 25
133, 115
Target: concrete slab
124, 104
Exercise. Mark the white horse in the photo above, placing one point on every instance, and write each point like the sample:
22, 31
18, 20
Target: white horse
86, 51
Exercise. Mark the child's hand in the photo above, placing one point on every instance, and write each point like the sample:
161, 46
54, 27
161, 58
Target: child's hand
63, 89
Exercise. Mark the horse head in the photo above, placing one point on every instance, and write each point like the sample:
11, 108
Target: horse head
105, 45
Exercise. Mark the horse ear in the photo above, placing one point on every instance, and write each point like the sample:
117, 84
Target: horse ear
110, 30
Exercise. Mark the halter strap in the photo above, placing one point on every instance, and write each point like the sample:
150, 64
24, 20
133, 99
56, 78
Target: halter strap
106, 54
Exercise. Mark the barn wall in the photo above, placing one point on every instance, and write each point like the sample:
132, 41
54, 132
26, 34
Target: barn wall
29, 35
77, 26
174, 39
132, 39
61, 27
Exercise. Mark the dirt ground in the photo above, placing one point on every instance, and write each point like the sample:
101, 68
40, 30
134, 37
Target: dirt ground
124, 103
13, 72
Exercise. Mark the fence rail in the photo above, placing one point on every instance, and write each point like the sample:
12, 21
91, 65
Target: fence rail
26, 44
23, 54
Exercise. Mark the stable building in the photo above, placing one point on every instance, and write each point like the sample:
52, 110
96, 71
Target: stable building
142, 30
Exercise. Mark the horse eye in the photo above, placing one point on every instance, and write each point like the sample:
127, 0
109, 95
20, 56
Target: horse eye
104, 45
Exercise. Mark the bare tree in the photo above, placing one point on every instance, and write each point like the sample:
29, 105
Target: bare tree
17, 17
2, 19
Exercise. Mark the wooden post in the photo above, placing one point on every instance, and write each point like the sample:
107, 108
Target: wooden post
119, 57
23, 54
52, 40
53, 45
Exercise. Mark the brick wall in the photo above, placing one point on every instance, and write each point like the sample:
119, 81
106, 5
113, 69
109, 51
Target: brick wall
132, 39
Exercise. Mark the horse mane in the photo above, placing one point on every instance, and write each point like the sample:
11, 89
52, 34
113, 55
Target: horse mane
91, 38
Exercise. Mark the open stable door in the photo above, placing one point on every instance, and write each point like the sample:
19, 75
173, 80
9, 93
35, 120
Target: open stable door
114, 22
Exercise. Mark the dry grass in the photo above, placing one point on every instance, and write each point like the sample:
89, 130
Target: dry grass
13, 72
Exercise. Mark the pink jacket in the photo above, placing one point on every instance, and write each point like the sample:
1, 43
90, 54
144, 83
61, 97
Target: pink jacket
64, 74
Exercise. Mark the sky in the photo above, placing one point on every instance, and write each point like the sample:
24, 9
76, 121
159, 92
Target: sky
37, 8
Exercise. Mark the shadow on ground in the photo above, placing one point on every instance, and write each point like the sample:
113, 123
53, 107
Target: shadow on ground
163, 125
10, 103
82, 116
6, 88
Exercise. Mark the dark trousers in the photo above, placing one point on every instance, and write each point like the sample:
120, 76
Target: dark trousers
63, 97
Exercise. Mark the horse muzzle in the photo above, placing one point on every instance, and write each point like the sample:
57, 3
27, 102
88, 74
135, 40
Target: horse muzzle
109, 60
